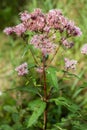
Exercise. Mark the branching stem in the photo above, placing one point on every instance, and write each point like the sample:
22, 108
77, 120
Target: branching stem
54, 54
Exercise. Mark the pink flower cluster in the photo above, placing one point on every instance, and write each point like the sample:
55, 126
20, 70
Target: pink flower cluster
72, 30
8, 30
43, 43
37, 21
46, 26
18, 29
22, 69
56, 20
66, 43
25, 16
70, 64
53, 18
84, 49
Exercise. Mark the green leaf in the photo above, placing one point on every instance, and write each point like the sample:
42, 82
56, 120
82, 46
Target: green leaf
34, 104
38, 108
29, 89
59, 128
29, 33
79, 126
77, 80
52, 77
26, 49
15, 117
67, 103
71, 74
18, 126
5, 127
10, 109
79, 90
31, 66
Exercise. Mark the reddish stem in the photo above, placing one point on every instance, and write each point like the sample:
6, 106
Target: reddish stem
45, 95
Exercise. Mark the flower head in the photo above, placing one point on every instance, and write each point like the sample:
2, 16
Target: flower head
25, 16
22, 69
8, 30
43, 43
70, 64
19, 29
73, 30
36, 21
53, 18
66, 43
84, 49
77, 31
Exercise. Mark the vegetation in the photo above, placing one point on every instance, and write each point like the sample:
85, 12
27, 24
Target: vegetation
21, 107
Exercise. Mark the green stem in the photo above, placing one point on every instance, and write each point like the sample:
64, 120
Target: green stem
54, 55
30, 50
33, 57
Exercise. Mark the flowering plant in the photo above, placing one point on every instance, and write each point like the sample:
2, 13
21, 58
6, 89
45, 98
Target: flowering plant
46, 33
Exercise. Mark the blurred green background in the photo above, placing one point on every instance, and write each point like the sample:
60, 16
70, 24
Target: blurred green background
12, 49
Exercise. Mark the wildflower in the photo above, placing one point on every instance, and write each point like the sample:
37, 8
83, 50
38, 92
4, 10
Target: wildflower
22, 69
77, 31
8, 30
25, 16
84, 49
53, 18
36, 21
66, 43
73, 30
19, 29
70, 64
46, 28
43, 43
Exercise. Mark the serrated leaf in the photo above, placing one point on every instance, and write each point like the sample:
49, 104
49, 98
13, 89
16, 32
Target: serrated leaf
67, 103
52, 77
38, 107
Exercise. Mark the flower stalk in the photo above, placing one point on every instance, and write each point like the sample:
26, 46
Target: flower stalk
45, 94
